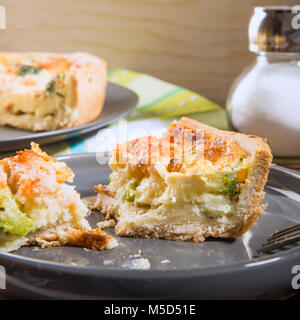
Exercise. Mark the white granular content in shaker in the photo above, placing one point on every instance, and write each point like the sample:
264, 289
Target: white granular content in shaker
267, 103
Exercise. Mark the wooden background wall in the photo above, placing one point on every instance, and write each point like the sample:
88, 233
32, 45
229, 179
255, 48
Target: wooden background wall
199, 44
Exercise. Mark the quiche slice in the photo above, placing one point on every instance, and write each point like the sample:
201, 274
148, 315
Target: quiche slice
47, 91
193, 183
37, 207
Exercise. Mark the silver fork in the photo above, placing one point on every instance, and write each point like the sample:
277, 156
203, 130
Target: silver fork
281, 239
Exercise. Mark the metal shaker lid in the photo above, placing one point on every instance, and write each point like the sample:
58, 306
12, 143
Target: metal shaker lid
275, 29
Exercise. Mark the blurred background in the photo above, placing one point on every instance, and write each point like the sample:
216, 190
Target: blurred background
198, 44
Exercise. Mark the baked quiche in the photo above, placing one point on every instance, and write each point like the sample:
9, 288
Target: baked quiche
193, 183
37, 207
47, 91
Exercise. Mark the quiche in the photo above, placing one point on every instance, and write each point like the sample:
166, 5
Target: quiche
47, 91
193, 183
37, 207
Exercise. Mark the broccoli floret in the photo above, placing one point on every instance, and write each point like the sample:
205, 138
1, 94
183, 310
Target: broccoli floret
12, 219
230, 185
27, 69
129, 193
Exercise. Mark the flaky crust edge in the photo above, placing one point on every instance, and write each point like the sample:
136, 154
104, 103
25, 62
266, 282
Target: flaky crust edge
94, 239
91, 82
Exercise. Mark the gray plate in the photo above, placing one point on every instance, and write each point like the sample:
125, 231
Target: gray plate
118, 102
209, 270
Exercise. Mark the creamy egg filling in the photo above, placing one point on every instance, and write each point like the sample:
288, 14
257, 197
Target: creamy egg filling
174, 196
37, 95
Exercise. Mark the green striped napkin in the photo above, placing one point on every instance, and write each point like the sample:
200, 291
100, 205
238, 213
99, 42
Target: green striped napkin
159, 103
161, 99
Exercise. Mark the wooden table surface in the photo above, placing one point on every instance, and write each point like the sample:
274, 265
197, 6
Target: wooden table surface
198, 44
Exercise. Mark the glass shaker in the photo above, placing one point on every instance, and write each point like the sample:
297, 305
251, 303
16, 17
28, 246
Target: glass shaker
265, 99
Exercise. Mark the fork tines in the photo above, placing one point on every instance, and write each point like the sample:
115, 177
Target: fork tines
281, 239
